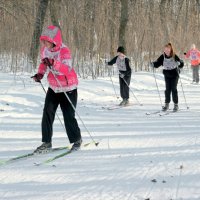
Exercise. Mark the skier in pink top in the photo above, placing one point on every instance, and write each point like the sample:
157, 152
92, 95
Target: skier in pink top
194, 55
56, 61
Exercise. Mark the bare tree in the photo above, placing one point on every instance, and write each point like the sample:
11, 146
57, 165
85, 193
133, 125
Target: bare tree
55, 12
113, 26
38, 30
94, 29
163, 18
123, 23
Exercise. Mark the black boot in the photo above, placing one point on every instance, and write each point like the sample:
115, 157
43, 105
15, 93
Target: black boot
175, 107
165, 107
126, 102
44, 148
76, 146
122, 102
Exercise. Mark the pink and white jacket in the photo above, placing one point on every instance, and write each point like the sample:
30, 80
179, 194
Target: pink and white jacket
62, 67
194, 56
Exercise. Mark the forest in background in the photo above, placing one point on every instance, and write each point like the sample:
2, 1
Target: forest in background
93, 29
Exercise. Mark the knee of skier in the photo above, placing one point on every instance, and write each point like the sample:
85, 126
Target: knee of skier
48, 109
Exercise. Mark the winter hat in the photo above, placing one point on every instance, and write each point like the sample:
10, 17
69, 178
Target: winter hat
53, 35
121, 49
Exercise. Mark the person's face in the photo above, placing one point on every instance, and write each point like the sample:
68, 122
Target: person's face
47, 44
121, 55
167, 51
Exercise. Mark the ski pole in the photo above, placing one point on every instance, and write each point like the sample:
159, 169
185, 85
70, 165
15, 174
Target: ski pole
183, 90
113, 86
111, 82
96, 143
56, 113
132, 92
179, 180
157, 86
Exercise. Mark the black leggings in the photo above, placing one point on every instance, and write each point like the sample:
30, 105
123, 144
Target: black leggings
171, 87
51, 104
124, 87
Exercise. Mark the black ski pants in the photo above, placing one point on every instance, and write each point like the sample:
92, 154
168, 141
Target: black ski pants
171, 87
124, 86
51, 104
195, 73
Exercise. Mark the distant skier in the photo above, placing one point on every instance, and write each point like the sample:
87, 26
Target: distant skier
56, 61
171, 64
194, 55
124, 68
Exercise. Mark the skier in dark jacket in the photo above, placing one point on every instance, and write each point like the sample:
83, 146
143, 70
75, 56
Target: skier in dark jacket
171, 64
124, 68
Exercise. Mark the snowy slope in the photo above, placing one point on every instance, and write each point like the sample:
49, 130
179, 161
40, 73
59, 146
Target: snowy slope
134, 148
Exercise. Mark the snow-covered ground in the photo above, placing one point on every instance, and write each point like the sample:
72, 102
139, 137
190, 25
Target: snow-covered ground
134, 148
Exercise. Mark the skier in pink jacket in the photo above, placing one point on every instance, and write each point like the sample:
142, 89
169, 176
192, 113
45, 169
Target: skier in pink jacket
194, 55
56, 61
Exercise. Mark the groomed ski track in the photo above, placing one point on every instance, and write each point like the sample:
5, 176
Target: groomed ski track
134, 148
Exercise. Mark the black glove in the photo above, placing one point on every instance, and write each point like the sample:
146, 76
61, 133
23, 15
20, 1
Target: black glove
37, 77
181, 64
48, 62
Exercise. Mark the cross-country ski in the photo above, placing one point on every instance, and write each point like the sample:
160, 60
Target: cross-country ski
63, 154
27, 155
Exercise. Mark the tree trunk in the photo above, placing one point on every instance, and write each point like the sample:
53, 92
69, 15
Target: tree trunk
112, 27
163, 20
123, 23
55, 12
42, 7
